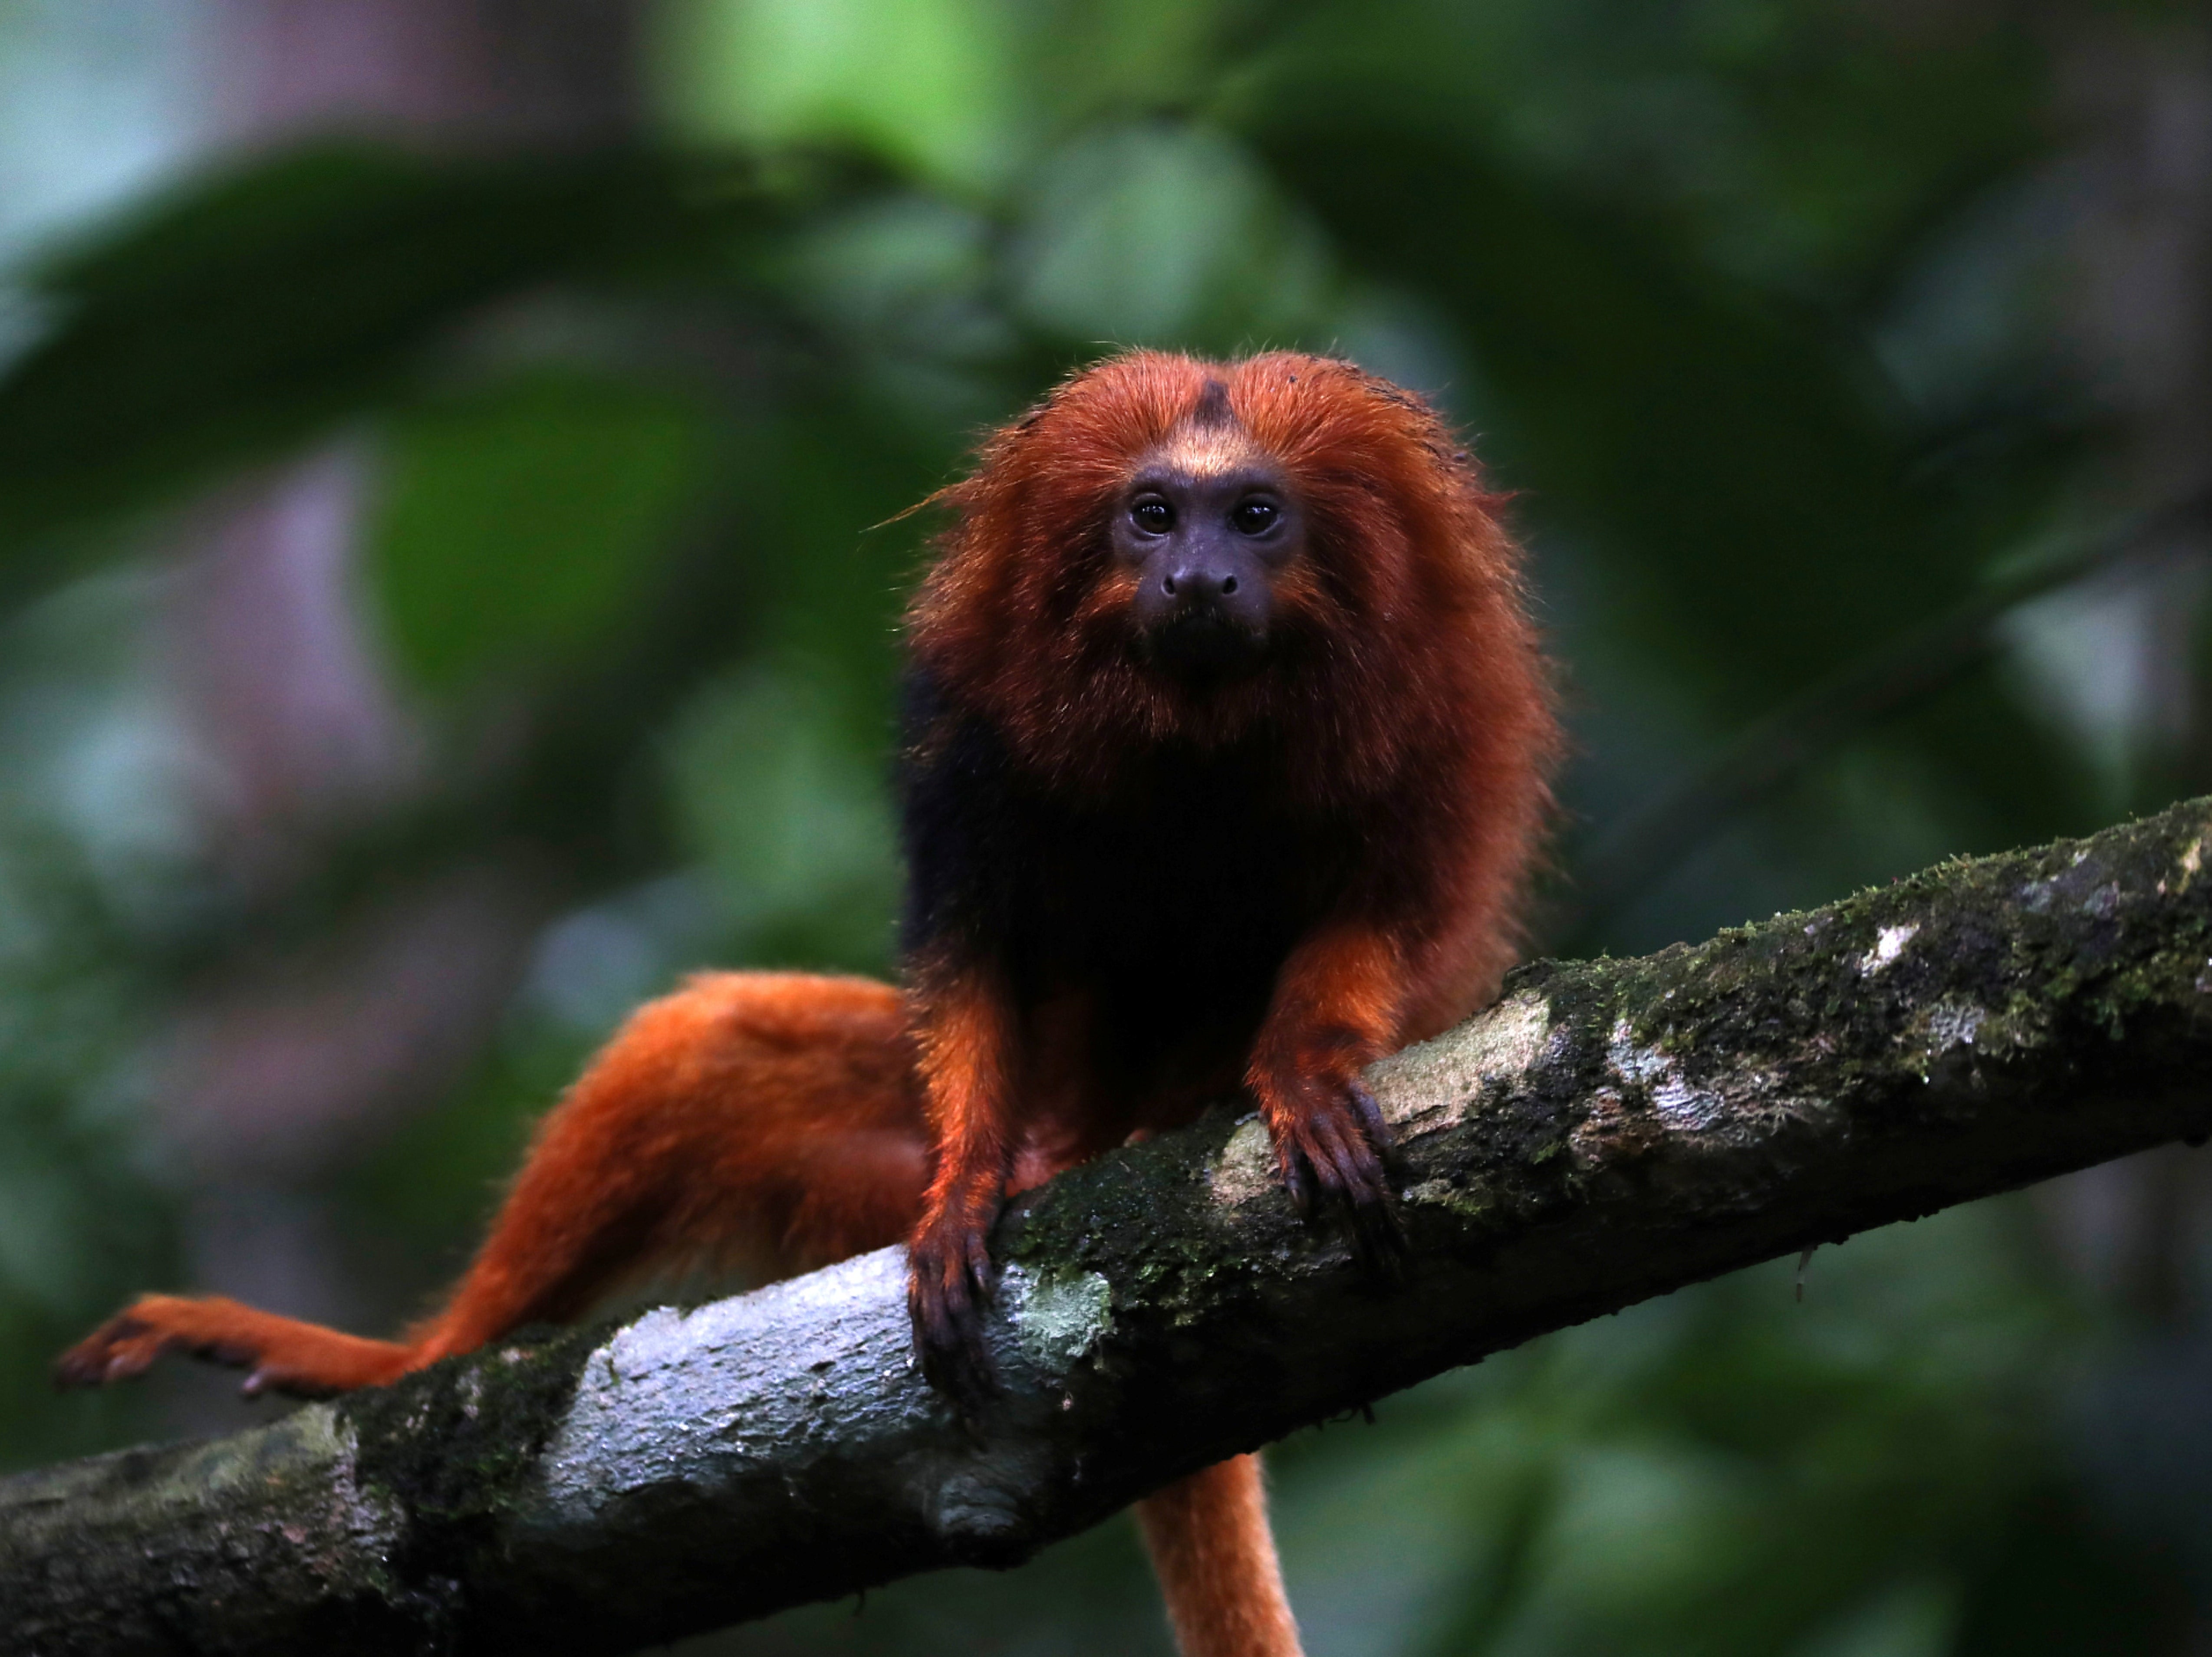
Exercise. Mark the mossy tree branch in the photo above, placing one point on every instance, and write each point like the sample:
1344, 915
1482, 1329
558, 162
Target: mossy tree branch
1611, 1129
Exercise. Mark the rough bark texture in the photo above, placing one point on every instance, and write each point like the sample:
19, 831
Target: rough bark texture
1610, 1131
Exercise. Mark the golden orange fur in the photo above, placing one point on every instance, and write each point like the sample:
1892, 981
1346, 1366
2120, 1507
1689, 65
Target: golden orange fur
1133, 887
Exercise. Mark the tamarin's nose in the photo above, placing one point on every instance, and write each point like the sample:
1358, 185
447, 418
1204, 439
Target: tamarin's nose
1204, 606
1197, 584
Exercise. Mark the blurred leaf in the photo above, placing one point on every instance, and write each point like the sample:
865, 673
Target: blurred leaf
1727, 1470
1692, 423
2057, 1580
246, 312
1732, 465
925, 83
1799, 143
789, 811
520, 523
1093, 58
1167, 234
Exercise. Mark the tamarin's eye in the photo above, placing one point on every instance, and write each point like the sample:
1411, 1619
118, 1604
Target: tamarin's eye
1254, 517
1154, 517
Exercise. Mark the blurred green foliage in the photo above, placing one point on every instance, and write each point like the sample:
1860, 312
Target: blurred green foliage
590, 475
1746, 299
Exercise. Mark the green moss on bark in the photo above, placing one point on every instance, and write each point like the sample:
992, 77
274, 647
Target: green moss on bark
456, 1448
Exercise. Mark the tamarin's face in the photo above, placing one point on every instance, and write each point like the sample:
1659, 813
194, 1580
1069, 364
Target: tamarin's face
1206, 548
1171, 550
1206, 526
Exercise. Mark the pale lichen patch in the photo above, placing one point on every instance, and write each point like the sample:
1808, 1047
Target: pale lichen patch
1246, 1166
1431, 1085
1629, 1062
1951, 1022
2191, 864
1058, 1316
1887, 947
1691, 1109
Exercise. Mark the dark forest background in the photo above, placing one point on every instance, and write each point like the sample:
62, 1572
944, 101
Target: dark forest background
446, 450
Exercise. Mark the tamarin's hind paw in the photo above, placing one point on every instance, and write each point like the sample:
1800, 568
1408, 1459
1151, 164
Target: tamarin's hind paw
1337, 1159
948, 1287
122, 1347
280, 1354
127, 1343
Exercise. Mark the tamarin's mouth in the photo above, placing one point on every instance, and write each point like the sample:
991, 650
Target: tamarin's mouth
1204, 644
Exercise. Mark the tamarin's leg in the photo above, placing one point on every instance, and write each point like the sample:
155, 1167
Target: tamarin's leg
284, 1354
1208, 1537
967, 1039
767, 1117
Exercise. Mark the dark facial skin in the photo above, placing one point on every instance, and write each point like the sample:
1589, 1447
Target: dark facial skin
1206, 550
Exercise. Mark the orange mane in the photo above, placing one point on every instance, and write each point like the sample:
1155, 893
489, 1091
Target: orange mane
1407, 611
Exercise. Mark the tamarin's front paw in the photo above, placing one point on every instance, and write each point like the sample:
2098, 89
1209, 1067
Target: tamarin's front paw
1334, 1148
948, 1285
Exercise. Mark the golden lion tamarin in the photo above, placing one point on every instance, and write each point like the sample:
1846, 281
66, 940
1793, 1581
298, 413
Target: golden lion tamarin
1224, 761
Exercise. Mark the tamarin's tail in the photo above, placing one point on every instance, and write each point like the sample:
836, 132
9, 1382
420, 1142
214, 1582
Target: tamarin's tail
1214, 1554
767, 1117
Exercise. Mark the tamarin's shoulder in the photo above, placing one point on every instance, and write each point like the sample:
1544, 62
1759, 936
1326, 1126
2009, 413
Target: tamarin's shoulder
958, 800
952, 762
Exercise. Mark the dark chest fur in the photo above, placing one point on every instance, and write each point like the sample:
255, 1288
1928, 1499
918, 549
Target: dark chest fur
1170, 902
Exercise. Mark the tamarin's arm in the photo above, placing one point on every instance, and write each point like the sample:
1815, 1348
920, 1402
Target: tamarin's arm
1418, 941
1336, 1009
965, 1031
958, 813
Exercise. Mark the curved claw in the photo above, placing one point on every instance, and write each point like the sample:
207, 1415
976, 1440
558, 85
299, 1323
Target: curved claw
1371, 1121
1337, 1158
1298, 1176
948, 1287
